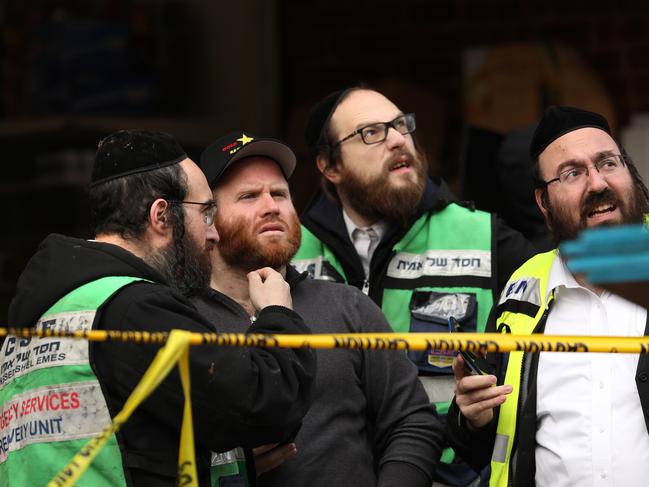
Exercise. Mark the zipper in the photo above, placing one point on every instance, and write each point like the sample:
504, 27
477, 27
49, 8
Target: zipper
366, 287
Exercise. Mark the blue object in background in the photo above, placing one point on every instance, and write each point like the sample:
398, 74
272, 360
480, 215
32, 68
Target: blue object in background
610, 254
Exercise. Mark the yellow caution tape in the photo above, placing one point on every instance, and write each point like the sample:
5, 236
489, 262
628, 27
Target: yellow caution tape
187, 475
178, 342
177, 348
490, 342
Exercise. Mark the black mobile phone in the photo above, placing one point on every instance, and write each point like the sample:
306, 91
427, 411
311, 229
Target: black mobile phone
474, 364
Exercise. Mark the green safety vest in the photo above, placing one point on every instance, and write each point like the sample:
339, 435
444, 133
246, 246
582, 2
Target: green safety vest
50, 400
449, 251
522, 304
229, 466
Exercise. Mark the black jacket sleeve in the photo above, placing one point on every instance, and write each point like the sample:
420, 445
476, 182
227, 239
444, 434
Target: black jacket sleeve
512, 250
407, 434
240, 396
476, 446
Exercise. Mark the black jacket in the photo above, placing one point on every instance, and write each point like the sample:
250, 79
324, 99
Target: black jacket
371, 423
324, 218
240, 396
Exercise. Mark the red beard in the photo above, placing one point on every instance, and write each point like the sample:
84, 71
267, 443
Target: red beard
242, 247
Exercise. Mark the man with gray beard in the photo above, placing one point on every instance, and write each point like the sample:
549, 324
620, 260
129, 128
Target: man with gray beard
371, 423
382, 225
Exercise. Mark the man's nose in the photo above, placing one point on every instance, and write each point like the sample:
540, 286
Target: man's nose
269, 204
394, 139
212, 234
596, 181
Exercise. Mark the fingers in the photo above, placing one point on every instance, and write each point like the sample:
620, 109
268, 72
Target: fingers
267, 287
273, 457
477, 396
263, 448
263, 273
458, 368
471, 383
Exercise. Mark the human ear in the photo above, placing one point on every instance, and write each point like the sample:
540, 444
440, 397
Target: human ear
158, 215
328, 170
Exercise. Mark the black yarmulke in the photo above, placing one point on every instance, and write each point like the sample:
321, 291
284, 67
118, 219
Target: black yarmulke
129, 152
319, 118
558, 121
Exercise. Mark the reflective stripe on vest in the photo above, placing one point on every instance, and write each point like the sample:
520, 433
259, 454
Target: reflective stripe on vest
229, 466
521, 306
317, 259
50, 399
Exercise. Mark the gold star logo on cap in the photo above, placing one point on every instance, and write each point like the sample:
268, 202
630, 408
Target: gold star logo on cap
245, 139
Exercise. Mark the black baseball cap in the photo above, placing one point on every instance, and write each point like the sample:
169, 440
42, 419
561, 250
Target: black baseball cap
227, 150
558, 121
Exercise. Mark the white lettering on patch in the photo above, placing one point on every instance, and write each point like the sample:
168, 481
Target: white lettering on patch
405, 265
21, 355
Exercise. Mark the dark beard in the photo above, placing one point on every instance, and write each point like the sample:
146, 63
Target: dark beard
185, 266
563, 228
378, 200
239, 247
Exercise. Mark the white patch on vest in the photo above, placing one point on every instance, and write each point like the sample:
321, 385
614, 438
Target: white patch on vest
527, 289
52, 413
22, 355
405, 265
314, 267
228, 457
446, 305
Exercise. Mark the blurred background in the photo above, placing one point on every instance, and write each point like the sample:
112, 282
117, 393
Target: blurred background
477, 73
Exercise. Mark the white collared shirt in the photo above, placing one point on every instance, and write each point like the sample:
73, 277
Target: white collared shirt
365, 239
590, 426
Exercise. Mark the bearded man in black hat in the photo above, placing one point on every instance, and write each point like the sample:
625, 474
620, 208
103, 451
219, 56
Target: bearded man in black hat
152, 214
573, 419
382, 225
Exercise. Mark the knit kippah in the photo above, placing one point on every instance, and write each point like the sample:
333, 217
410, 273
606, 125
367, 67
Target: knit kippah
133, 151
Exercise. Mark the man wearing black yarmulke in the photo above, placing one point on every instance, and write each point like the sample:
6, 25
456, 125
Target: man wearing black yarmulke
573, 419
152, 214
382, 225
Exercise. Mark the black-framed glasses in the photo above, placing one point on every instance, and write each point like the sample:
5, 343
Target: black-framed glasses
378, 132
207, 212
578, 174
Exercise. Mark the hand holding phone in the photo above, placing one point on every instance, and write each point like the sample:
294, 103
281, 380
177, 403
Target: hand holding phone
473, 364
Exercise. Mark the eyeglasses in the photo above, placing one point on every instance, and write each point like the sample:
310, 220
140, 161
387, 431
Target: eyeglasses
378, 132
578, 175
207, 212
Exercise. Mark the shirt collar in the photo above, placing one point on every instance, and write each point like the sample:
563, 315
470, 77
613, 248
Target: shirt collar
560, 276
379, 227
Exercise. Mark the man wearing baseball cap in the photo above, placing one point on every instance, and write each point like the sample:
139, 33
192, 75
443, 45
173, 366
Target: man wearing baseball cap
382, 225
577, 419
152, 215
371, 423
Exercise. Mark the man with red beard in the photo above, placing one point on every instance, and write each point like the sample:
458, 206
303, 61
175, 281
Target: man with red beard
564, 418
384, 227
371, 423
152, 215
